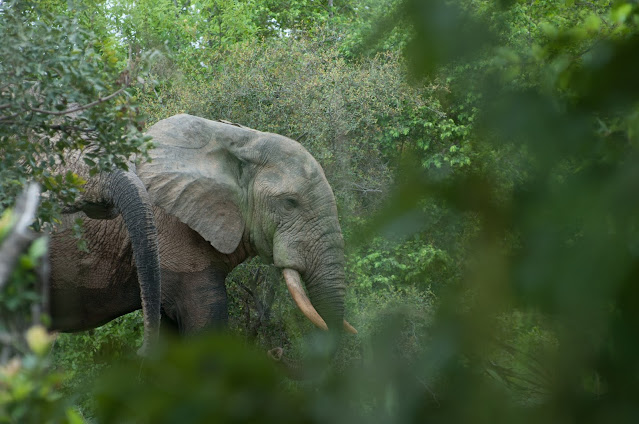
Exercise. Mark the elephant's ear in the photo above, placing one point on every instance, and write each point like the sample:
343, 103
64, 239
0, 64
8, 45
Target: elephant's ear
194, 175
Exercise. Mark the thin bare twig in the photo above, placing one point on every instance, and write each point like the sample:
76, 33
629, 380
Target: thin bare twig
510, 377
72, 128
534, 364
246, 289
361, 188
437, 112
427, 387
3, 118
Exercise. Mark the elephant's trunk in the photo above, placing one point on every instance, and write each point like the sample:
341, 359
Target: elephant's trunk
324, 306
131, 199
326, 287
325, 283
295, 370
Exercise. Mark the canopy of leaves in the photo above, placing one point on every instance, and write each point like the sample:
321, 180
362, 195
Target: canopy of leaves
60, 91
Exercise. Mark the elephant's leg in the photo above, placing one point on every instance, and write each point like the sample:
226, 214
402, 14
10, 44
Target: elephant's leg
195, 301
193, 274
168, 325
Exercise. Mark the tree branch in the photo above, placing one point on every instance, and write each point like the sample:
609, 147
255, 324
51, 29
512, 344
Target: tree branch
246, 289
71, 127
20, 236
361, 188
3, 118
80, 108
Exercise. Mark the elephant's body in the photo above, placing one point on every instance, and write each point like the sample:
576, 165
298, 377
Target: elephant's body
219, 193
91, 288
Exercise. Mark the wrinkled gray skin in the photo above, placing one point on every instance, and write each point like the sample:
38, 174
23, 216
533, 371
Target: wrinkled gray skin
109, 196
221, 194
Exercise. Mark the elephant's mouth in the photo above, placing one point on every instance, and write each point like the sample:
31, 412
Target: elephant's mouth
294, 284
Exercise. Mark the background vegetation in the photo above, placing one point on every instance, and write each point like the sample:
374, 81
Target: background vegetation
484, 158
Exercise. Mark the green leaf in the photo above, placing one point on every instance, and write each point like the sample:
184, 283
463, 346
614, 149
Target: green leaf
621, 12
6, 222
73, 417
26, 262
593, 23
549, 30
38, 248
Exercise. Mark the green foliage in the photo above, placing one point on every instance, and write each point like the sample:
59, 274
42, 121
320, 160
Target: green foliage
374, 30
20, 291
29, 390
84, 354
569, 235
526, 342
18, 295
260, 309
30, 393
54, 97
185, 31
389, 265
190, 32
209, 379
83, 357
371, 310
23, 287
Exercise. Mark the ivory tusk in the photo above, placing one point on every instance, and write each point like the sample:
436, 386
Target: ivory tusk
349, 328
294, 284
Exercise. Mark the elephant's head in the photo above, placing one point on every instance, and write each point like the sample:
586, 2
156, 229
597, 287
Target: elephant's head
237, 186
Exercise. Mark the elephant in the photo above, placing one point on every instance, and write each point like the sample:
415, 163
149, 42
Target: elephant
108, 196
221, 193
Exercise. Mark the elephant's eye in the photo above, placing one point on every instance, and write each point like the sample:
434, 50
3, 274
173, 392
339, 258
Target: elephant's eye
290, 203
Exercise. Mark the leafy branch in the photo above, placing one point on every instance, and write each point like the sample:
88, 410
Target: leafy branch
55, 100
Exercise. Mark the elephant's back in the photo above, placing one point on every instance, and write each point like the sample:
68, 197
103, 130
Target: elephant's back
185, 131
